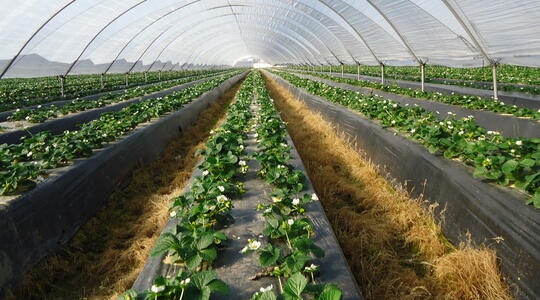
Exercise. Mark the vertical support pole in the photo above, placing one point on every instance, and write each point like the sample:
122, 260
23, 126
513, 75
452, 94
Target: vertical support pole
170, 74
422, 74
102, 80
62, 85
145, 77
342, 75
358, 72
159, 75
382, 73
495, 93
49, 86
321, 68
127, 79
330, 69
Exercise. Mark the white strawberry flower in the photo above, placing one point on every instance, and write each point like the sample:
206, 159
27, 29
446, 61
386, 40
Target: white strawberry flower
157, 288
267, 289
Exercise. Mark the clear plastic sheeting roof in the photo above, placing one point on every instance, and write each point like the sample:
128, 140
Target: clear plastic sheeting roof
41, 38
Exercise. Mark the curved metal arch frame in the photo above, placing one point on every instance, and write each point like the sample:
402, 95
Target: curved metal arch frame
136, 4
183, 6
287, 50
221, 49
146, 27
193, 41
299, 13
102, 29
354, 29
232, 45
170, 43
32, 37
274, 30
358, 37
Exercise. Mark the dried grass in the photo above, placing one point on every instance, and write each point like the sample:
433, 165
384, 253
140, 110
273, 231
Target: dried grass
473, 266
105, 257
391, 242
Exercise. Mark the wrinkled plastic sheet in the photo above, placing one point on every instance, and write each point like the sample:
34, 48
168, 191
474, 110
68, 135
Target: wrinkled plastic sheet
494, 215
235, 268
508, 125
37, 222
72, 121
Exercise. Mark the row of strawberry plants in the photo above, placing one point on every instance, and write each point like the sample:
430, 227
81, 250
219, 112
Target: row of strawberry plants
466, 101
23, 92
288, 232
510, 78
507, 161
195, 239
24, 165
41, 114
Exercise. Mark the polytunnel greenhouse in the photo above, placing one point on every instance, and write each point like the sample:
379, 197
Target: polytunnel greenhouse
257, 149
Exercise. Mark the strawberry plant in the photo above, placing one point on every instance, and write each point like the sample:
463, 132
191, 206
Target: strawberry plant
466, 101
510, 78
24, 164
23, 92
195, 240
289, 250
194, 286
41, 114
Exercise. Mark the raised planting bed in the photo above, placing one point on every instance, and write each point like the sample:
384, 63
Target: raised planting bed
26, 92
253, 208
510, 78
37, 222
493, 215
507, 161
73, 120
510, 98
507, 125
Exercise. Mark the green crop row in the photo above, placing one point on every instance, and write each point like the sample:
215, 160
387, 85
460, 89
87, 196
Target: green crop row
23, 165
24, 92
510, 78
466, 101
194, 241
41, 114
289, 248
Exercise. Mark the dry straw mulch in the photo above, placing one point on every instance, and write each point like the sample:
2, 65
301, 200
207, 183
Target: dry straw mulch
392, 243
105, 257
